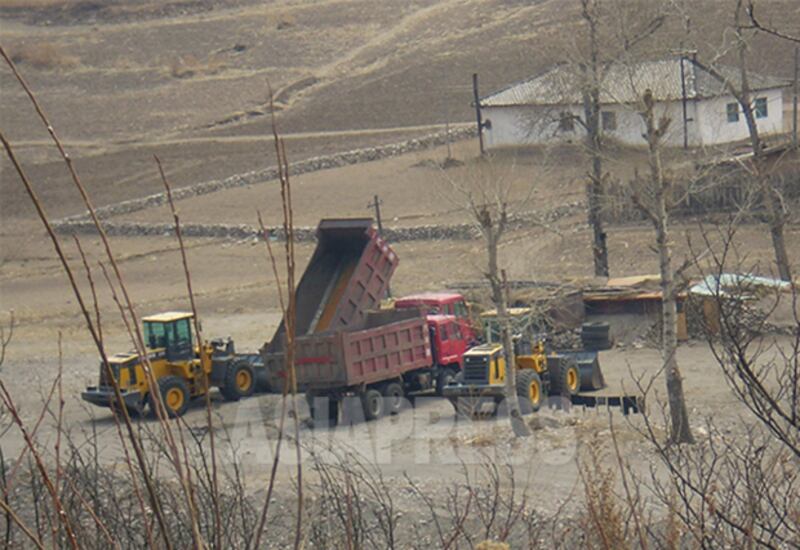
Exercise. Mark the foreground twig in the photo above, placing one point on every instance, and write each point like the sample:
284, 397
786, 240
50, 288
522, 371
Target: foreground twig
62, 515
202, 354
90, 326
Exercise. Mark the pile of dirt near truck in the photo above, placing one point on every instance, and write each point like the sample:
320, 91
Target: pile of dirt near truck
350, 347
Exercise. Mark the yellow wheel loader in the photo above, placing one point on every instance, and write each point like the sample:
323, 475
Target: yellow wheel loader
565, 376
180, 367
482, 382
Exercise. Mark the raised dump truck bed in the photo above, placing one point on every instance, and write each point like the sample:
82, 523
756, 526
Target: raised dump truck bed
347, 275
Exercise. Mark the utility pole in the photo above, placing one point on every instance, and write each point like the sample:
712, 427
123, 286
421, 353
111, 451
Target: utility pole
477, 100
794, 98
683, 103
447, 134
376, 204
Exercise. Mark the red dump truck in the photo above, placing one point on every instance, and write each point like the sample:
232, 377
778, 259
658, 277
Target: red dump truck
347, 275
395, 353
346, 345
374, 363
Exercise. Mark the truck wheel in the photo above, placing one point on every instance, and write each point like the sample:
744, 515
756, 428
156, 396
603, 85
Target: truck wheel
322, 418
174, 394
529, 390
393, 393
239, 381
565, 378
372, 402
445, 378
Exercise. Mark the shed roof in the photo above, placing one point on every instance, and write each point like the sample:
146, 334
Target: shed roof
623, 83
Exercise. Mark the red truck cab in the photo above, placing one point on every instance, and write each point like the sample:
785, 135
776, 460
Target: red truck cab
443, 303
447, 341
448, 346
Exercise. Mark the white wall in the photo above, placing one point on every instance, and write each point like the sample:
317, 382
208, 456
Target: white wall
715, 127
707, 125
529, 125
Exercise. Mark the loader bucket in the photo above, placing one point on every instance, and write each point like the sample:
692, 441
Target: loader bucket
589, 367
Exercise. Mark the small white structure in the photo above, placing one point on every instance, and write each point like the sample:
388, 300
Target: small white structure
548, 108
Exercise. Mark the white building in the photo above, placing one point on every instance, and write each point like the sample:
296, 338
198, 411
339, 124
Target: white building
548, 108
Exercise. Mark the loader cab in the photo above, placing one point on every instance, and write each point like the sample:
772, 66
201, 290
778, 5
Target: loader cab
172, 332
527, 331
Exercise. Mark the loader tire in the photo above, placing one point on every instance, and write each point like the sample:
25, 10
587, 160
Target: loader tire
174, 394
529, 390
372, 403
239, 381
564, 377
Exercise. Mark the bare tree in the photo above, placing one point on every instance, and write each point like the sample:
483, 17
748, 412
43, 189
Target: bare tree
652, 195
603, 43
590, 92
772, 197
487, 197
762, 369
739, 487
756, 23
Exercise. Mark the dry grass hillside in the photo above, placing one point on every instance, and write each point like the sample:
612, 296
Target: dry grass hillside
188, 79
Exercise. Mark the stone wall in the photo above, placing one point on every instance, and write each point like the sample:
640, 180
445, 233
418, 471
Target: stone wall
456, 232
313, 164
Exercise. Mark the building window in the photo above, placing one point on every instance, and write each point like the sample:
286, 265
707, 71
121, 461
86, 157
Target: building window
761, 107
566, 122
609, 121
733, 112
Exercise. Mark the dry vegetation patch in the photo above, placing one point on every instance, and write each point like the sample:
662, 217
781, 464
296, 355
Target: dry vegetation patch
188, 66
43, 55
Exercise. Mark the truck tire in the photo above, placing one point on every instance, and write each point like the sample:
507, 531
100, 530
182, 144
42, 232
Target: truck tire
322, 418
175, 395
372, 403
393, 392
564, 377
240, 381
529, 390
446, 377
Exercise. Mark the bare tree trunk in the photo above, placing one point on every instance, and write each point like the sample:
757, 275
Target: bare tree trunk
591, 110
492, 233
680, 431
776, 217
594, 190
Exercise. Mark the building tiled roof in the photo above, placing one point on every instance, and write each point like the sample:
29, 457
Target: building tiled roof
560, 85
